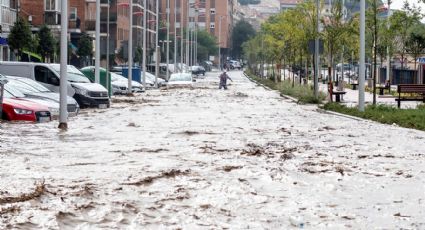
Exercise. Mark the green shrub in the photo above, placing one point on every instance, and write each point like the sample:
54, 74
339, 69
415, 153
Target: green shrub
409, 118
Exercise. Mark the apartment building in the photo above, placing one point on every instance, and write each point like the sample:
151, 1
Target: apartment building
8, 14
82, 19
215, 16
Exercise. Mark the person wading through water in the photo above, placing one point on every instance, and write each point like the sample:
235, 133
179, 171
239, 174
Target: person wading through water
223, 80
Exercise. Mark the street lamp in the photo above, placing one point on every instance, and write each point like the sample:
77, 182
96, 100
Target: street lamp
362, 55
63, 112
97, 51
219, 42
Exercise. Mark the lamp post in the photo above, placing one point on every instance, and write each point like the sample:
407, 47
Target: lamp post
219, 43
63, 112
107, 48
175, 36
97, 52
362, 55
181, 35
158, 55
388, 48
130, 49
316, 52
145, 12
168, 40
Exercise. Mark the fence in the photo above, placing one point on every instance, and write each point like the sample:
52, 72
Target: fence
399, 76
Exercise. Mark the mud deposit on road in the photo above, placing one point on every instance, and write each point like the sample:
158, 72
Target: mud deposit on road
207, 159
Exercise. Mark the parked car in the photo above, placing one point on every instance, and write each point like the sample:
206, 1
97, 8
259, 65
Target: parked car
33, 89
15, 109
180, 80
207, 65
197, 70
120, 84
85, 92
14, 91
151, 78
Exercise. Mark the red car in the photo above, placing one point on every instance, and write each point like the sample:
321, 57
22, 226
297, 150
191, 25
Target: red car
15, 109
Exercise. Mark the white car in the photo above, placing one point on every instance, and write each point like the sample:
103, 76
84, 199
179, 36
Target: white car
180, 80
120, 84
151, 78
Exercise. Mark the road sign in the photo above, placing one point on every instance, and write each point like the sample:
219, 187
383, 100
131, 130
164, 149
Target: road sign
311, 46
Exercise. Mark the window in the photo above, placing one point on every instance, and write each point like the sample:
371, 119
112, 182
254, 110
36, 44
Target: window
73, 14
52, 5
212, 10
212, 25
44, 75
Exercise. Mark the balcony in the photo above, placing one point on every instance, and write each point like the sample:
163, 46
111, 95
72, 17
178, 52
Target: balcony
8, 17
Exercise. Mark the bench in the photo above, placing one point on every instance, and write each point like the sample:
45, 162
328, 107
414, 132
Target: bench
382, 88
338, 95
354, 85
411, 89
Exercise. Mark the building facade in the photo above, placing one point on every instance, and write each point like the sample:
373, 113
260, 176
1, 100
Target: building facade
8, 15
214, 16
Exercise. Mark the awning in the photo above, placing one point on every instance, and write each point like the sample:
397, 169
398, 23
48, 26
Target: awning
3, 41
421, 60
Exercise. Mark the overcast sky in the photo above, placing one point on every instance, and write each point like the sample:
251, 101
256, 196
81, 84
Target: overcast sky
398, 4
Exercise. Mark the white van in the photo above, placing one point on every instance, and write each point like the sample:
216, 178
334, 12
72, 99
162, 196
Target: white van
79, 86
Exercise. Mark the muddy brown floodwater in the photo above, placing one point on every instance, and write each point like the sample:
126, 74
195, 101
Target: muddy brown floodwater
203, 158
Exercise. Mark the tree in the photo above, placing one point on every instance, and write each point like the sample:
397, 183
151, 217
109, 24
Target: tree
415, 44
85, 46
242, 32
138, 55
207, 45
47, 43
20, 37
402, 21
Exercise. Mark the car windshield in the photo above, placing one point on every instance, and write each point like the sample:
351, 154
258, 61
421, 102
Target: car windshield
13, 91
73, 74
33, 84
21, 87
180, 77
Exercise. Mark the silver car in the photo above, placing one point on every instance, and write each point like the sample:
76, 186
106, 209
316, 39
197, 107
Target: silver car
33, 89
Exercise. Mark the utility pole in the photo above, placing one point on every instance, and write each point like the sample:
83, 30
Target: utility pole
362, 56
130, 50
375, 40
219, 43
63, 96
316, 52
175, 36
107, 49
158, 57
168, 40
97, 51
145, 12
388, 47
181, 36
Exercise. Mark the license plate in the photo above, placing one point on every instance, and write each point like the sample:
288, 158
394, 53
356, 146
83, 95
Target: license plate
103, 106
44, 119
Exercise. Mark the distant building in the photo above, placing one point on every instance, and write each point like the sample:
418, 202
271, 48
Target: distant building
288, 4
8, 13
214, 16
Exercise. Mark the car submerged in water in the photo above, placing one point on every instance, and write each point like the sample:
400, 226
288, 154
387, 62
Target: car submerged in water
33, 89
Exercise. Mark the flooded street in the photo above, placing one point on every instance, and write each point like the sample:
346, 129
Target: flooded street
205, 158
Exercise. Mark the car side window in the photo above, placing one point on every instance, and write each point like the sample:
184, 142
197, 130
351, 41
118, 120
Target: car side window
45, 75
40, 73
